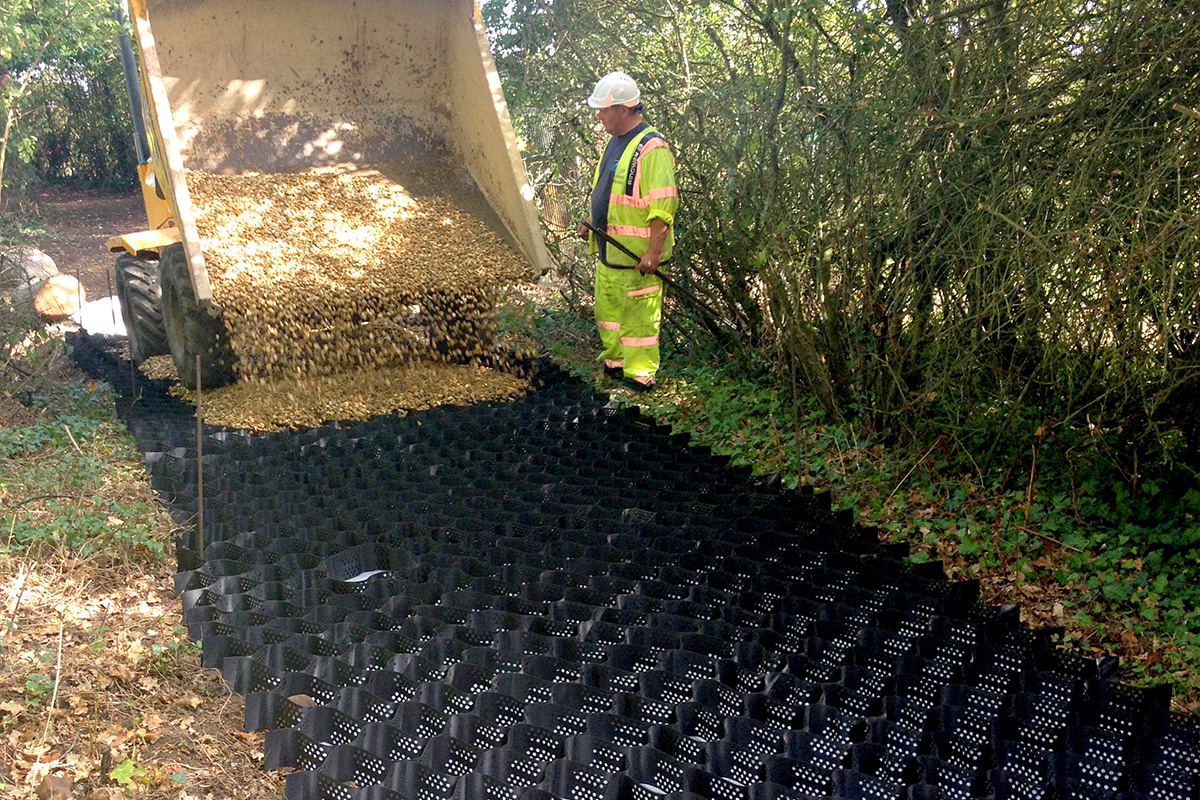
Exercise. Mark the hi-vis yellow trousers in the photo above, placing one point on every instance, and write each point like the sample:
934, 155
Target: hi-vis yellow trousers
628, 315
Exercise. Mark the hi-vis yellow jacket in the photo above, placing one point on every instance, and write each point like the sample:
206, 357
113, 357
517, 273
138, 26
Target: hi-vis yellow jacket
643, 189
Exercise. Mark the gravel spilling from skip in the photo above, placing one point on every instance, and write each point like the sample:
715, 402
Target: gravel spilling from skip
345, 294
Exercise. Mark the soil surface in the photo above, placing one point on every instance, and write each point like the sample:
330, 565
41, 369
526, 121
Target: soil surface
102, 695
77, 225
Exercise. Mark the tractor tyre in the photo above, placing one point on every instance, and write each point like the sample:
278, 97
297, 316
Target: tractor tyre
191, 331
138, 295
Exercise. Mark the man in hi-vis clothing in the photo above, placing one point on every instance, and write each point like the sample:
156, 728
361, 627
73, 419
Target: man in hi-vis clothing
634, 200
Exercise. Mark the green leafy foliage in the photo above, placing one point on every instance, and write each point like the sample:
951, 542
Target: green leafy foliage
55, 479
31, 439
38, 687
61, 92
128, 773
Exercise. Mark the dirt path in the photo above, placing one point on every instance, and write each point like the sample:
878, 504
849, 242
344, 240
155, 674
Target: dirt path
78, 223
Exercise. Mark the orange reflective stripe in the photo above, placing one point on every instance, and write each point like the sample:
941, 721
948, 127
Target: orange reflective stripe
629, 230
644, 202
653, 144
608, 326
608, 362
640, 292
642, 341
629, 200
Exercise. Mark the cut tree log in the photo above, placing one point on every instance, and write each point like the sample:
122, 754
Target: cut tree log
60, 297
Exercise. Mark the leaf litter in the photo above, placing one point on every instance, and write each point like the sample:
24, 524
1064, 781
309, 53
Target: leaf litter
101, 693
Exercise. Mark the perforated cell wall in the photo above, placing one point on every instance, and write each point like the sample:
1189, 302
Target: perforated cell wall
556, 598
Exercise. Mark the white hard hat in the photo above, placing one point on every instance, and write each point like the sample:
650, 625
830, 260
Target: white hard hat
615, 89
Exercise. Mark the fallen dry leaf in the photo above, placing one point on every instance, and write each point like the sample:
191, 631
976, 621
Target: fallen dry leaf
11, 707
55, 787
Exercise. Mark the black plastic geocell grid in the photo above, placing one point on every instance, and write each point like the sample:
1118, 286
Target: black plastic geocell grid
556, 598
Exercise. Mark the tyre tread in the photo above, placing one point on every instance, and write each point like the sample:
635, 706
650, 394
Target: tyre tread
139, 296
191, 331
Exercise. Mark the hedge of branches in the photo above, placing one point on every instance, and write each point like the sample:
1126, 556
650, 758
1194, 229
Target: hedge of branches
978, 221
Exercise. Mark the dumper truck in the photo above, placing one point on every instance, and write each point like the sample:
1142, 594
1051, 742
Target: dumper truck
407, 88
